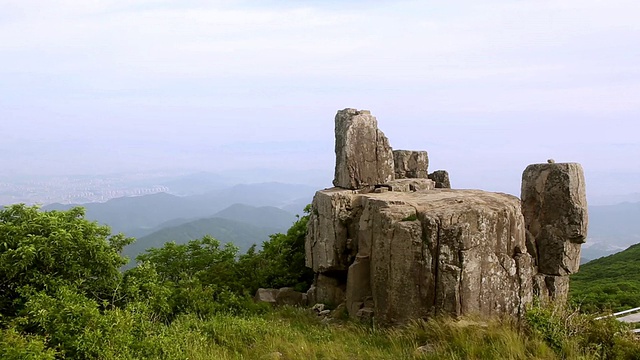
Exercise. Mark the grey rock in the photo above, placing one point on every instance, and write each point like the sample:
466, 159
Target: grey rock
409, 185
363, 154
551, 288
358, 284
329, 290
554, 205
283, 296
266, 296
365, 314
454, 251
441, 178
411, 164
288, 296
326, 241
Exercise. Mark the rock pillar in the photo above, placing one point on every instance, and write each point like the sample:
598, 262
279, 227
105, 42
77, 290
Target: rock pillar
554, 205
363, 154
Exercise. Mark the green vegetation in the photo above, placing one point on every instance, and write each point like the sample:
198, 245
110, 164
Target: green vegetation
412, 217
62, 296
611, 283
243, 235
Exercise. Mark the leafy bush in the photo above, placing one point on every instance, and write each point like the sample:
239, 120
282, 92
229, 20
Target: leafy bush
570, 333
42, 251
280, 263
15, 346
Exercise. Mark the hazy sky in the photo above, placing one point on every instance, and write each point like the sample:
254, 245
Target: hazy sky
487, 87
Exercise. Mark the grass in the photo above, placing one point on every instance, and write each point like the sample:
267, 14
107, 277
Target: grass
290, 333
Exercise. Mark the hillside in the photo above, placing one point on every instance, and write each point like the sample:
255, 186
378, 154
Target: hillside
241, 234
264, 216
609, 283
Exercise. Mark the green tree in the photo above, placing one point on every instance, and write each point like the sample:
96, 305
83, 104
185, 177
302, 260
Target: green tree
281, 262
43, 251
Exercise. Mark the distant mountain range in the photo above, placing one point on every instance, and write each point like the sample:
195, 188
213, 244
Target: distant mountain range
612, 228
141, 215
241, 214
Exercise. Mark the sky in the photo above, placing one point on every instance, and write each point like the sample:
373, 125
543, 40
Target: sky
97, 87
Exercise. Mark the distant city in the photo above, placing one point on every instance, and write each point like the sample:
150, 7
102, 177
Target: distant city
78, 190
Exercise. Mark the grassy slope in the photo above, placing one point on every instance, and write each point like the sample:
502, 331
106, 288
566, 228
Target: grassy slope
609, 283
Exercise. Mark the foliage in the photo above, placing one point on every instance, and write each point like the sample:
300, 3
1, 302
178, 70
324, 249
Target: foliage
43, 251
570, 333
63, 297
609, 283
281, 262
15, 346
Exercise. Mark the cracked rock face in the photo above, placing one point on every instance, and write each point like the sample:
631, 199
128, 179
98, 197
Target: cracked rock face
426, 252
363, 154
411, 164
441, 178
554, 204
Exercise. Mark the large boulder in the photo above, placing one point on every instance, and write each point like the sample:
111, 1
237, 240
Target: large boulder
327, 238
363, 154
411, 164
451, 251
425, 252
554, 205
441, 179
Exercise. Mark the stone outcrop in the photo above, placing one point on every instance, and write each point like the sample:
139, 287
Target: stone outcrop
555, 208
399, 246
282, 296
441, 179
363, 155
410, 164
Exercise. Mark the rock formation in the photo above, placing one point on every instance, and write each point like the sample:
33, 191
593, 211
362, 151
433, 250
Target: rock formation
555, 209
363, 155
410, 164
390, 243
441, 178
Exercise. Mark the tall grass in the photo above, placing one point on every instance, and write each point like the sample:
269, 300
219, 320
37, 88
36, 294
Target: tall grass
292, 333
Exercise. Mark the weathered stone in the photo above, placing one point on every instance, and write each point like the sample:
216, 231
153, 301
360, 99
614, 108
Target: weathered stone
453, 251
288, 296
358, 284
411, 164
447, 251
266, 296
363, 154
554, 205
441, 178
409, 185
326, 242
329, 290
365, 314
551, 288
